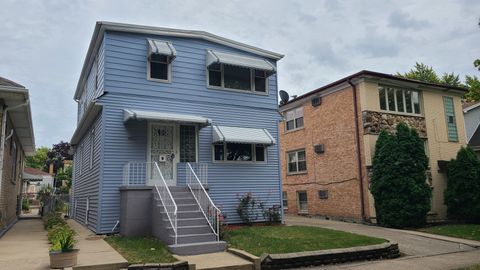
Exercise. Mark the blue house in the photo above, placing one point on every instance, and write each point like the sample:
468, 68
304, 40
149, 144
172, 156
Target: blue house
173, 127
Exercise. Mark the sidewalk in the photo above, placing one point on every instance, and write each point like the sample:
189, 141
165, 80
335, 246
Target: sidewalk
95, 253
25, 246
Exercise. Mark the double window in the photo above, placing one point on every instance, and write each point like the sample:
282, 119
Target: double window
450, 119
239, 152
294, 119
399, 100
237, 78
297, 162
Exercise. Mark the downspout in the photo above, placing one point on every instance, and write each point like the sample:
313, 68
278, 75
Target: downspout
359, 153
2, 139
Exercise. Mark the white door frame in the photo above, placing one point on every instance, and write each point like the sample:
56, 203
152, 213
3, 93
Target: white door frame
176, 148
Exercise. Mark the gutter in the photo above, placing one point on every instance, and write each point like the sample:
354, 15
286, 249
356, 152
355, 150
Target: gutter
2, 139
359, 154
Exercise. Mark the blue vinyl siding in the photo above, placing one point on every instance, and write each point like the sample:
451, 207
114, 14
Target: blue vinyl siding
450, 118
86, 183
124, 81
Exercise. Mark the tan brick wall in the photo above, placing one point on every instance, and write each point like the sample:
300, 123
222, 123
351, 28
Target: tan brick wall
331, 124
10, 189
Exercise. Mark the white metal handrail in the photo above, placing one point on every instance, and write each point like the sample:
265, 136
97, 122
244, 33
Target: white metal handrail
208, 208
163, 192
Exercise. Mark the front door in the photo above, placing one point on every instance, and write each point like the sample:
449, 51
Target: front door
162, 150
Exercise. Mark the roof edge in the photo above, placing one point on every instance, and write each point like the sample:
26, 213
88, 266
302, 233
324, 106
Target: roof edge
373, 74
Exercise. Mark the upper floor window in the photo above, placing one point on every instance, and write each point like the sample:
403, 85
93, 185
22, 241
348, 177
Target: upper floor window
294, 119
399, 100
160, 57
297, 162
450, 119
229, 71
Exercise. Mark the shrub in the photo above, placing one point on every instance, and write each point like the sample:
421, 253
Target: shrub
53, 219
402, 196
25, 204
60, 235
272, 214
462, 195
248, 208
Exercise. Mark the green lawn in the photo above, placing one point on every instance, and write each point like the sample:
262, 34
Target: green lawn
475, 267
141, 249
286, 239
466, 231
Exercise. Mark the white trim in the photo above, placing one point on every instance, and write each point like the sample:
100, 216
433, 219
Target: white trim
296, 155
252, 83
254, 156
169, 72
102, 26
403, 90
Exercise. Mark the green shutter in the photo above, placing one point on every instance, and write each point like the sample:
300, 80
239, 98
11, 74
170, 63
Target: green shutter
450, 118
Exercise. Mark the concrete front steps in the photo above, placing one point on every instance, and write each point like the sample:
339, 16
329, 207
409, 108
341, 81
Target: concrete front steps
194, 235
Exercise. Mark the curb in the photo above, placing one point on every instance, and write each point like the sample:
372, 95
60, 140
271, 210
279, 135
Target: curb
468, 242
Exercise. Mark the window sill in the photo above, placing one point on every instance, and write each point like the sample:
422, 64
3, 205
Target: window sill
297, 173
402, 113
293, 130
303, 212
159, 80
238, 162
237, 90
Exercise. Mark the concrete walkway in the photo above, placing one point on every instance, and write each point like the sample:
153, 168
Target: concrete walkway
94, 252
423, 251
218, 260
25, 246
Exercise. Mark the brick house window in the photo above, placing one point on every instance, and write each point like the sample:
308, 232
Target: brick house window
297, 162
399, 100
294, 119
302, 202
323, 194
284, 200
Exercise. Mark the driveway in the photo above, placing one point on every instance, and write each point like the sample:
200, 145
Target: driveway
422, 251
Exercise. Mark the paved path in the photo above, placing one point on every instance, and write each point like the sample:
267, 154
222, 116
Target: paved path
218, 260
423, 251
25, 246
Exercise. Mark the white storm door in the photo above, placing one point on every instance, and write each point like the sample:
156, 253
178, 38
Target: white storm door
162, 150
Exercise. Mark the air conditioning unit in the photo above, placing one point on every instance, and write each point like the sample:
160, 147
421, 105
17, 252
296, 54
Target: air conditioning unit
316, 101
319, 148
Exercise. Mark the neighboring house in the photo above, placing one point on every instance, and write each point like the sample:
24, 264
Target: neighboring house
34, 179
328, 140
16, 142
471, 113
156, 101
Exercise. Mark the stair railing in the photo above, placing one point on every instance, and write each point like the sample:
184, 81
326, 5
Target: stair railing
208, 208
163, 192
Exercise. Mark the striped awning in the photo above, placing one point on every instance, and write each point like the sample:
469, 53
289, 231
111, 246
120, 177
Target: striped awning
242, 135
214, 57
161, 48
164, 117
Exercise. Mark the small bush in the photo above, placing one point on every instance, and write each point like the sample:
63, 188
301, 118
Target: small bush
25, 204
462, 195
248, 208
64, 240
60, 235
272, 214
53, 219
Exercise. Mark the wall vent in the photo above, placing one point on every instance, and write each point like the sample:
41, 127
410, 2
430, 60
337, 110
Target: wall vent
319, 148
316, 101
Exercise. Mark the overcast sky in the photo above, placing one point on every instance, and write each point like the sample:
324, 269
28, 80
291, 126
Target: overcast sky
43, 43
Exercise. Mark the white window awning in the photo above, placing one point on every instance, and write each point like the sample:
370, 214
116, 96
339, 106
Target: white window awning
242, 135
165, 117
214, 57
161, 48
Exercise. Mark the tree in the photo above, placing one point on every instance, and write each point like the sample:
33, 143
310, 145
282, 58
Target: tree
38, 160
402, 196
451, 79
473, 85
59, 153
462, 195
421, 72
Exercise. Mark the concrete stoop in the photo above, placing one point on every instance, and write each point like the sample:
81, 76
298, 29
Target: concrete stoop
194, 235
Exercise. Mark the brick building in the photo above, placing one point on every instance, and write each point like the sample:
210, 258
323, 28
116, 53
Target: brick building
16, 142
328, 137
